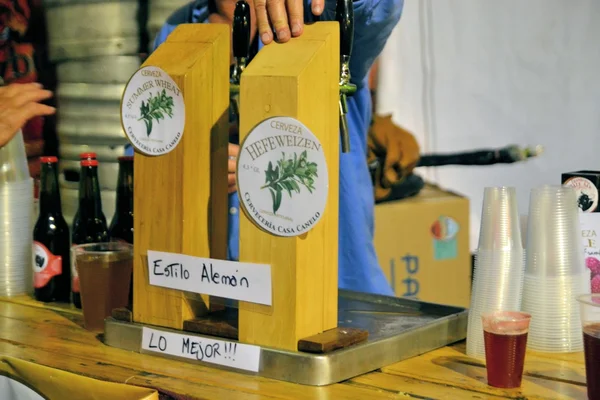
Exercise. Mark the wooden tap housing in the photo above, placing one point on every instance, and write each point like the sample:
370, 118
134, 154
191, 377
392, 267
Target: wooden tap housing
297, 79
181, 197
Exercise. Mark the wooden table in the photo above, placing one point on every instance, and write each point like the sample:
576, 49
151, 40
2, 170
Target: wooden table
54, 337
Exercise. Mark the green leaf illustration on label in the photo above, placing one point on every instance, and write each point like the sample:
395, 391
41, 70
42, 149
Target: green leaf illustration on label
288, 175
155, 109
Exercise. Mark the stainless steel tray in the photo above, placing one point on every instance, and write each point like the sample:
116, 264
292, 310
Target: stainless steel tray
398, 329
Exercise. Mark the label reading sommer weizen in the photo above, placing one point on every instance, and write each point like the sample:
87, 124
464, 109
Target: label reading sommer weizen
282, 177
153, 111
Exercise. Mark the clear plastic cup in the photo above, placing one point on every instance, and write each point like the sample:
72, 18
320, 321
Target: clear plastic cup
553, 237
590, 321
499, 219
104, 271
13, 161
505, 335
552, 303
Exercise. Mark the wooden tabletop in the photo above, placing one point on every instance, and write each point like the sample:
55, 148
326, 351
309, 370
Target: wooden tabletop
54, 337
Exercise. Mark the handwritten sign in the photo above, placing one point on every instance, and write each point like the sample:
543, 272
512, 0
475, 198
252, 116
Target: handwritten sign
228, 279
235, 355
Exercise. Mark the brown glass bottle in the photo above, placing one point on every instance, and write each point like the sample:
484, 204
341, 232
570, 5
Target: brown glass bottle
91, 227
82, 156
121, 227
51, 264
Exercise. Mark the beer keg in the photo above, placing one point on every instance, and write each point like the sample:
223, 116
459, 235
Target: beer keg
89, 96
158, 13
90, 28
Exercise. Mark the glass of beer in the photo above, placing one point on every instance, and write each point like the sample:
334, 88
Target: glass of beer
590, 318
505, 338
104, 275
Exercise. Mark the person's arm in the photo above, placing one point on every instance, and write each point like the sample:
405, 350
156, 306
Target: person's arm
18, 104
374, 21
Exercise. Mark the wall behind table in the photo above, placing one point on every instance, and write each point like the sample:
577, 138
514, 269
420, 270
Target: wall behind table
474, 73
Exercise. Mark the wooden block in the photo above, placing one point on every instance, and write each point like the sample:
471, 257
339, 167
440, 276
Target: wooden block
222, 324
332, 339
181, 197
122, 314
297, 79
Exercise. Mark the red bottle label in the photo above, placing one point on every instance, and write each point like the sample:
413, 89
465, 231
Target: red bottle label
74, 274
45, 265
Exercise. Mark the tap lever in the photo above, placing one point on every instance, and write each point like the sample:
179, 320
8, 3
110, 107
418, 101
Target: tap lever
241, 41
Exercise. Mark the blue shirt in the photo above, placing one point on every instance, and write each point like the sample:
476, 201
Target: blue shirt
374, 20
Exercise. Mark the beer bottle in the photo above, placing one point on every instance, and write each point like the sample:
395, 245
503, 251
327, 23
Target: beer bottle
121, 227
91, 227
82, 156
51, 265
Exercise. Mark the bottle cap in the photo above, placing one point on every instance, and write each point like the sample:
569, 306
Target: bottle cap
87, 155
48, 160
89, 163
126, 158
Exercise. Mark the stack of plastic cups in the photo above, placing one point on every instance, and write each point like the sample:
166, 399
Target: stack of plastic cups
555, 273
16, 213
499, 264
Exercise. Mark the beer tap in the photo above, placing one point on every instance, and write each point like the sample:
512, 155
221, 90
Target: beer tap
241, 50
344, 14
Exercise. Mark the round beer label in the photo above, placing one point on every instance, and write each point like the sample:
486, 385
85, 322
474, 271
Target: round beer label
282, 177
153, 111
587, 193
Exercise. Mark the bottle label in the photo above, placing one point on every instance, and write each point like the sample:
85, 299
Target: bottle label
74, 275
45, 265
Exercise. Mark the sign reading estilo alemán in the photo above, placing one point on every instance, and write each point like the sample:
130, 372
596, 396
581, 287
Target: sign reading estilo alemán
153, 111
282, 177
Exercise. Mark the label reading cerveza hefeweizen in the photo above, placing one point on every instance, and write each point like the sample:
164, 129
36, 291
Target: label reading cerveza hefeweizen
282, 177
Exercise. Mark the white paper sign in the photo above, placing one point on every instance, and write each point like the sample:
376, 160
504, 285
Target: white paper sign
235, 355
228, 279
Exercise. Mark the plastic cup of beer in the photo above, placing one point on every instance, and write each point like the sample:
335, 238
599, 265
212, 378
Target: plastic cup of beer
104, 271
505, 338
590, 318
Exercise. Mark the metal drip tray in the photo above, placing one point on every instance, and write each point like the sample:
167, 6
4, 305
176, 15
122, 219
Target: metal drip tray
398, 329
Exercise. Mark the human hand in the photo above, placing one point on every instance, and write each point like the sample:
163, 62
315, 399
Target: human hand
233, 152
285, 17
18, 104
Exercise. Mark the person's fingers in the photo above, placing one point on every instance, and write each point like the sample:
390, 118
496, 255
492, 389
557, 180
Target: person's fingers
231, 166
317, 7
231, 183
22, 115
295, 9
233, 150
29, 96
15, 89
262, 21
231, 179
279, 19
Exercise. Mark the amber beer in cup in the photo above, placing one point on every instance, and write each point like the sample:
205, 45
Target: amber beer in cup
104, 271
505, 337
590, 318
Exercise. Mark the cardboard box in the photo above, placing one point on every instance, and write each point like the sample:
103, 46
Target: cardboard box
423, 246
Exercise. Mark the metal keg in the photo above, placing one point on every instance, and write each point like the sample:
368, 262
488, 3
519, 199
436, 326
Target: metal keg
88, 28
89, 96
158, 13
